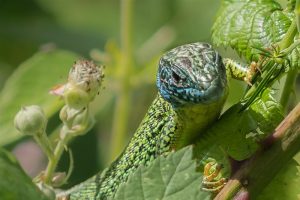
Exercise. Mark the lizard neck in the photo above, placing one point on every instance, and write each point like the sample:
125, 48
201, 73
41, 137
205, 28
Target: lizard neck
142, 148
195, 118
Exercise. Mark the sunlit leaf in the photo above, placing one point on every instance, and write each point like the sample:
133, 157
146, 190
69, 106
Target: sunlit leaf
238, 133
247, 24
172, 177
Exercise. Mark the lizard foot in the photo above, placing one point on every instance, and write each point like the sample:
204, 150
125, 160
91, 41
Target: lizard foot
212, 182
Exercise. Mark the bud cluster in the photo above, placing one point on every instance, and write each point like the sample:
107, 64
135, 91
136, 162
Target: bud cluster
83, 85
84, 82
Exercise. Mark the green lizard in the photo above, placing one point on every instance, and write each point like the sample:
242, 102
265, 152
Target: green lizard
192, 84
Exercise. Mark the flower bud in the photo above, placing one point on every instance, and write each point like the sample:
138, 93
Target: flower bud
87, 76
30, 120
76, 98
58, 179
75, 123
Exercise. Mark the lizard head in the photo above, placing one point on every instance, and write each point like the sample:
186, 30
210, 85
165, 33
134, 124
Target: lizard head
191, 74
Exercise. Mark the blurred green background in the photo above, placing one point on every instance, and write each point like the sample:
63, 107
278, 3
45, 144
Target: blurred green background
85, 27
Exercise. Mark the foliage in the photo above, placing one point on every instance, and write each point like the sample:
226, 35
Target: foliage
238, 133
250, 27
228, 137
245, 28
14, 182
286, 181
242, 26
171, 177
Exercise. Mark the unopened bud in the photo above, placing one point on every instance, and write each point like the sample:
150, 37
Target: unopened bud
58, 178
76, 98
76, 123
30, 120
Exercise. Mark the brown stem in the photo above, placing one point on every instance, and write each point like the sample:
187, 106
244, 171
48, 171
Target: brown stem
258, 171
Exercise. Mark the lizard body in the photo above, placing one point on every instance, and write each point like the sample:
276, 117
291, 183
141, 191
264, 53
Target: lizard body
192, 88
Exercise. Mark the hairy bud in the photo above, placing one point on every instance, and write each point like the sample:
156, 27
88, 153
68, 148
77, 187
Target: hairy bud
84, 82
87, 76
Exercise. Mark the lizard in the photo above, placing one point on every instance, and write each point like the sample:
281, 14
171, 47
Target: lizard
192, 88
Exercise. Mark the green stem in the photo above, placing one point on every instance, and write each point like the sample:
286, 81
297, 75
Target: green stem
54, 160
286, 45
81, 122
297, 13
45, 144
286, 42
291, 48
288, 87
122, 107
289, 36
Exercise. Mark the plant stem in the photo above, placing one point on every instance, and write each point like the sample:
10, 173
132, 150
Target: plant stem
45, 144
285, 43
289, 36
288, 87
54, 160
297, 12
276, 151
122, 107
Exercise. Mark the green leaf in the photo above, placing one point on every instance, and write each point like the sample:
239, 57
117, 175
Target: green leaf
30, 84
167, 178
244, 24
238, 133
297, 159
14, 183
285, 185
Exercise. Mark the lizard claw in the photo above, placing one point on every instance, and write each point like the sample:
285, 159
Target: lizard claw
211, 178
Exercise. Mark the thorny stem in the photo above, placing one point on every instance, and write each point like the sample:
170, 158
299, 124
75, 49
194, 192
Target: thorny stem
287, 44
122, 107
276, 151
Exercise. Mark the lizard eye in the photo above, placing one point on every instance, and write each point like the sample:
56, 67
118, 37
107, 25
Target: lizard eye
175, 76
